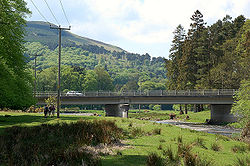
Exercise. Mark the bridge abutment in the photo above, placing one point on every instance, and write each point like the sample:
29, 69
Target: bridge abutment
117, 110
221, 113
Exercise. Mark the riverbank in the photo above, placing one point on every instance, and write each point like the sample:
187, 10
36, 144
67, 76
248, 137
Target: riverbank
213, 129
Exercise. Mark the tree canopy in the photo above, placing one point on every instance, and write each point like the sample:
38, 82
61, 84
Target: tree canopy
16, 82
209, 57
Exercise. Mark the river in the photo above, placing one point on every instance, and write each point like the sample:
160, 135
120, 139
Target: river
213, 129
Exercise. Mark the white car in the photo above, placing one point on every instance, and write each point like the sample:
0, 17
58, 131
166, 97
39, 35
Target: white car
74, 93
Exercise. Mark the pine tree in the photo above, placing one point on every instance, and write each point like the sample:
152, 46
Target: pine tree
175, 56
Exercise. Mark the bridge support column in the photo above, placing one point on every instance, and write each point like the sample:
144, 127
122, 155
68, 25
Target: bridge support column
220, 113
117, 110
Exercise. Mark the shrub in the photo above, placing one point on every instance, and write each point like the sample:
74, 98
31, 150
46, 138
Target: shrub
190, 159
159, 147
136, 132
179, 139
171, 158
157, 107
154, 160
184, 152
156, 131
239, 148
184, 148
55, 144
215, 146
200, 142
194, 160
162, 140
242, 161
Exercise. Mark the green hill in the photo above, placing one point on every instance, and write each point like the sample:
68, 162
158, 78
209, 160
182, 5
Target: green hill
80, 55
38, 31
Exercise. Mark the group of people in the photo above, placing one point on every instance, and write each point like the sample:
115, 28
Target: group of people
49, 110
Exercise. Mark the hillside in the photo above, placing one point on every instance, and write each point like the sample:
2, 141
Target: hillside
38, 31
82, 55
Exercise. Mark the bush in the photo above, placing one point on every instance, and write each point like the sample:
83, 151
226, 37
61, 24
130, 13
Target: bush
157, 107
184, 153
156, 131
154, 160
171, 158
159, 147
242, 103
239, 148
200, 142
215, 146
56, 144
162, 140
242, 161
136, 132
179, 139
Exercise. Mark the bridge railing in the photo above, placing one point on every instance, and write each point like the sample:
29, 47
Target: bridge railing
203, 92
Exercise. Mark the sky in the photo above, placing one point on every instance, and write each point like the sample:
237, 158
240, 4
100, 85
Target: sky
137, 26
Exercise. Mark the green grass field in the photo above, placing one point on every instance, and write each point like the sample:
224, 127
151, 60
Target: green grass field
144, 140
199, 117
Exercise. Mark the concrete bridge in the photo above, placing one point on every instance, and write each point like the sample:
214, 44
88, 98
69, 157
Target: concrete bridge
117, 103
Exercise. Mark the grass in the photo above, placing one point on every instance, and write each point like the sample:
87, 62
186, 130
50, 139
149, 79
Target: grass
144, 144
199, 117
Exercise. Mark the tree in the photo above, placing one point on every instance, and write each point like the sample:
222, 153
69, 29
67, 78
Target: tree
16, 82
90, 81
104, 81
72, 78
175, 57
241, 107
130, 85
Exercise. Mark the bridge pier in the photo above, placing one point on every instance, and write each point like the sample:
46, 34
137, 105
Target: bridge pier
220, 113
117, 110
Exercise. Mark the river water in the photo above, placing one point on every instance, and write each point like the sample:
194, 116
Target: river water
213, 129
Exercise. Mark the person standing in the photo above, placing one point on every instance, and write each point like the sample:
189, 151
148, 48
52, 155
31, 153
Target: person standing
46, 110
50, 110
53, 110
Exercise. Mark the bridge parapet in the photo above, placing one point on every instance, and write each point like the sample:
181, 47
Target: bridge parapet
203, 92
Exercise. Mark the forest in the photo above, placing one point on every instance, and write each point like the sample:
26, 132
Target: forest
210, 57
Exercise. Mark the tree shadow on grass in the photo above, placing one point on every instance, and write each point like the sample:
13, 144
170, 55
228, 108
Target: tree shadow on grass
8, 121
125, 160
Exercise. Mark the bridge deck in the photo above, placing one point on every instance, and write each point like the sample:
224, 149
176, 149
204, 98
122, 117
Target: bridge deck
218, 96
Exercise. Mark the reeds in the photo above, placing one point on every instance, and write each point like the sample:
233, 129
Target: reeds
216, 146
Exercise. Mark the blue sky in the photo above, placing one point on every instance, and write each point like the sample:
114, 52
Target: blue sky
138, 26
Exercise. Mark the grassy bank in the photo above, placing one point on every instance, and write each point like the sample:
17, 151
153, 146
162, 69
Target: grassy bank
142, 138
199, 117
